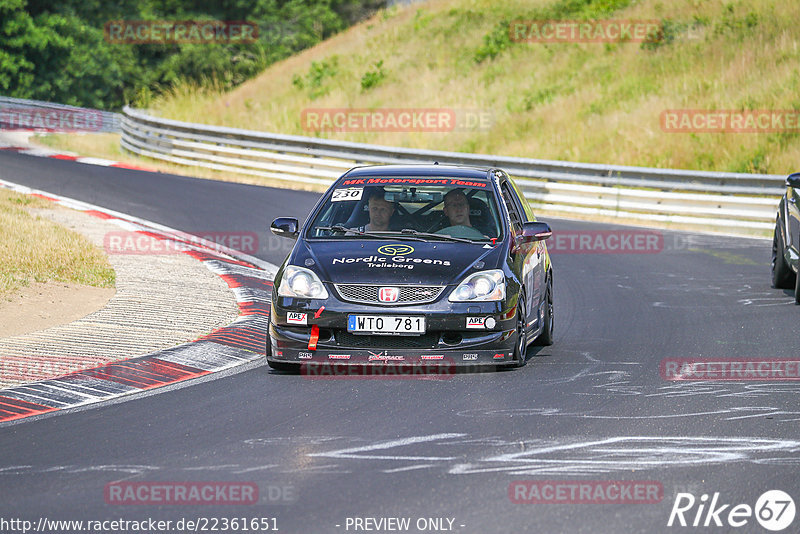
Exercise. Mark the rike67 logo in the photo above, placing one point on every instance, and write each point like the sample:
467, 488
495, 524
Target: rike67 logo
774, 510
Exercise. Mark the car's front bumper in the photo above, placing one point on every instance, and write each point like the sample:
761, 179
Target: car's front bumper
447, 340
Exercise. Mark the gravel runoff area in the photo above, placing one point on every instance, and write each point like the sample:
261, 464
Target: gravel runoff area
161, 300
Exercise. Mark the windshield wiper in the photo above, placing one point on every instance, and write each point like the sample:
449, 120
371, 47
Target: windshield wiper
443, 237
360, 233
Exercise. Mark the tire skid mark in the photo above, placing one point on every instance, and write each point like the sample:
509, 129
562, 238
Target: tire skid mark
458, 453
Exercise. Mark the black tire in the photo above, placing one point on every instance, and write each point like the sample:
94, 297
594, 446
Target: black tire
782, 275
546, 337
521, 346
284, 367
797, 289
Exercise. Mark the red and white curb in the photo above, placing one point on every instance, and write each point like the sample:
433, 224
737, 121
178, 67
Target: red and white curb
239, 343
47, 153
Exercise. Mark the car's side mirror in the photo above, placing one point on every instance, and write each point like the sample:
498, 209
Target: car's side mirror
793, 180
536, 231
285, 227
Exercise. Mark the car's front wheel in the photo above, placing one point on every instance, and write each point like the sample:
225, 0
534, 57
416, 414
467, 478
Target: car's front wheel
546, 337
797, 289
521, 349
782, 275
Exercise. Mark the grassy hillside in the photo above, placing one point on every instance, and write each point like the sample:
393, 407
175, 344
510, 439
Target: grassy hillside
585, 102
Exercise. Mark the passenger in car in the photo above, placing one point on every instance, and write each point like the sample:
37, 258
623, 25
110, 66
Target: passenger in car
456, 208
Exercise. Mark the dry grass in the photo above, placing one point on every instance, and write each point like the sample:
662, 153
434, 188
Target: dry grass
582, 102
36, 250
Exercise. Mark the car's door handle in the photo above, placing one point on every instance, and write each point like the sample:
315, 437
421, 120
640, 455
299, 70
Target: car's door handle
793, 200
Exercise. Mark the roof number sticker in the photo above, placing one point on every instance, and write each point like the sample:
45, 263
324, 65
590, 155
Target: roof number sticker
352, 193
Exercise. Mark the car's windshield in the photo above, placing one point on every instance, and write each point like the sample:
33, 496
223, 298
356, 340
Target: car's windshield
435, 208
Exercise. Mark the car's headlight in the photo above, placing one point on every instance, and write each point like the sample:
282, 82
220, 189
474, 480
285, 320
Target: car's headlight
301, 283
482, 286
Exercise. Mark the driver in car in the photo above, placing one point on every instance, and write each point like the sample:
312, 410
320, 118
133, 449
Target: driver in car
380, 212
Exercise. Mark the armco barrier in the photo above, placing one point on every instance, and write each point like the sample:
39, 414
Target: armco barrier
35, 115
727, 200
723, 200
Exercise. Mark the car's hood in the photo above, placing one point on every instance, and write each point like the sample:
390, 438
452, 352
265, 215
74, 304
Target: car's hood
395, 262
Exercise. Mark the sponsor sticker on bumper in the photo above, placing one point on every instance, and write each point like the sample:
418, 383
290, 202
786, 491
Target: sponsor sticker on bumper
475, 322
297, 318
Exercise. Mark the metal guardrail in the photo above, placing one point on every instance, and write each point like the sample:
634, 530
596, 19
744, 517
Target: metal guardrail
729, 200
36, 115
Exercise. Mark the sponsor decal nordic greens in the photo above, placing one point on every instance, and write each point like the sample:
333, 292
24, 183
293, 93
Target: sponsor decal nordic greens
391, 256
396, 249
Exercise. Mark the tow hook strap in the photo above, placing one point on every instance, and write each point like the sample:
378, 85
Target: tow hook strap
312, 341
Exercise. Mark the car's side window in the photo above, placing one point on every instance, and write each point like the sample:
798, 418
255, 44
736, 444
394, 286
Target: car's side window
528, 211
513, 210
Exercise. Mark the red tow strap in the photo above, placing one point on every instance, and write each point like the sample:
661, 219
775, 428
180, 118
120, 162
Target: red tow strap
312, 341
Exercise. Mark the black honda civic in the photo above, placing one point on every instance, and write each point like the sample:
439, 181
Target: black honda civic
413, 265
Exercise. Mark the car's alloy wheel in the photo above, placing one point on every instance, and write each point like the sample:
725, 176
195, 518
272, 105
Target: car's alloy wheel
522, 331
546, 337
782, 275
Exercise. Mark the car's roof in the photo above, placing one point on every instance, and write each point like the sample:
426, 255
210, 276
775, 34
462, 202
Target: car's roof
418, 170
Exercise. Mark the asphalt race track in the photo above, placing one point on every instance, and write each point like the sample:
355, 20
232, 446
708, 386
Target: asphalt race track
591, 407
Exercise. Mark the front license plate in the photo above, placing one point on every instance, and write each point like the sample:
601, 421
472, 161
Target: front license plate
385, 324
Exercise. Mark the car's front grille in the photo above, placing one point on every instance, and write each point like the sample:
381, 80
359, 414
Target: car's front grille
425, 341
368, 293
